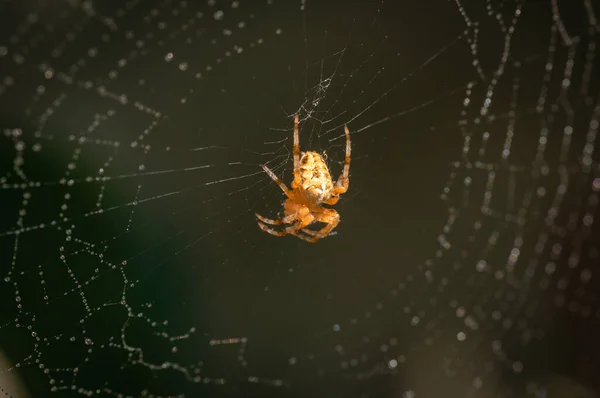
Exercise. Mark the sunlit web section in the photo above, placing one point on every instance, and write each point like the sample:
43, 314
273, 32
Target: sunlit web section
85, 174
525, 188
132, 140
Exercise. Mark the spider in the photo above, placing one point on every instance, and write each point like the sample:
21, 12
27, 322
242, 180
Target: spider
312, 186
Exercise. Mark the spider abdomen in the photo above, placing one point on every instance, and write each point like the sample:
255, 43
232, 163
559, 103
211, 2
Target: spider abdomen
315, 179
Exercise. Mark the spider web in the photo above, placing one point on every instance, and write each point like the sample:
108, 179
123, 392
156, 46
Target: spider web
132, 138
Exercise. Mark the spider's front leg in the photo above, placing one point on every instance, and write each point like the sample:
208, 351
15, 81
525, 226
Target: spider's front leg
271, 230
333, 200
268, 220
290, 218
329, 216
303, 222
297, 215
285, 220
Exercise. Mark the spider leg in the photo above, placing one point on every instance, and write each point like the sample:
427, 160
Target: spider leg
343, 181
333, 200
270, 230
300, 227
292, 230
302, 216
313, 233
329, 216
290, 218
302, 223
296, 181
268, 220
274, 177
304, 237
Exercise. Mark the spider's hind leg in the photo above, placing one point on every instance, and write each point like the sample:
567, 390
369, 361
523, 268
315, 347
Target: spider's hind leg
344, 181
278, 181
296, 150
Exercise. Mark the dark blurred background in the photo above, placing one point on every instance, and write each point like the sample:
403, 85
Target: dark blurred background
131, 139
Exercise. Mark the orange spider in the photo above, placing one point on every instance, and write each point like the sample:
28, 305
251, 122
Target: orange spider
312, 186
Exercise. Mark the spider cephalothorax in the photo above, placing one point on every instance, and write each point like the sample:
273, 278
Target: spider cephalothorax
312, 186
